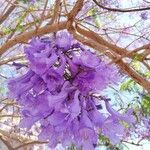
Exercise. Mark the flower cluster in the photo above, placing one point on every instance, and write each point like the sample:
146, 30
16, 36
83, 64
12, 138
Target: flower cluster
146, 133
58, 91
142, 129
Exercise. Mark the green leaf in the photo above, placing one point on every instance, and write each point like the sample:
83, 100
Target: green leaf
136, 65
96, 18
6, 30
147, 74
103, 139
146, 104
127, 85
138, 57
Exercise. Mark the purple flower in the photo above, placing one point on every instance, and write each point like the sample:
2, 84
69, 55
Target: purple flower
144, 15
127, 117
113, 130
74, 108
57, 92
94, 114
63, 40
95, 76
53, 80
85, 58
22, 83
32, 1
55, 100
40, 55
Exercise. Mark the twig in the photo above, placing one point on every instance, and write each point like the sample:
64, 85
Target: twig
120, 10
29, 143
132, 143
56, 11
8, 12
6, 143
5, 61
95, 37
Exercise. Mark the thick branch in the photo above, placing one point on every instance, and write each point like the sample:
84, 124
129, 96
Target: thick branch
24, 37
132, 53
113, 48
95, 37
135, 76
73, 13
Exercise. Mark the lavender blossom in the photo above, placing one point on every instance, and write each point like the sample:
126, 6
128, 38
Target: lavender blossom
144, 15
57, 92
63, 41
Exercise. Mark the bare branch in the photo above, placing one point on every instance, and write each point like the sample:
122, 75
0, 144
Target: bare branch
95, 37
24, 37
29, 143
2, 62
56, 11
73, 13
8, 12
136, 144
120, 10
131, 53
6, 143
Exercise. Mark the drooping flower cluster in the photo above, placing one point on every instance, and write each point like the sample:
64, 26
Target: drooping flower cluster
142, 129
146, 133
58, 92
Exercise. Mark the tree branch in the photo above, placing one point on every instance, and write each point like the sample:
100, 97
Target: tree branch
24, 37
95, 37
5, 61
29, 143
8, 12
56, 10
6, 143
73, 13
120, 10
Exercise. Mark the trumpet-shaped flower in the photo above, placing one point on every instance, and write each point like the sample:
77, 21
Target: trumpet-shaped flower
57, 92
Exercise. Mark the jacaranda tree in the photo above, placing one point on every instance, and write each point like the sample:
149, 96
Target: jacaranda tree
75, 74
